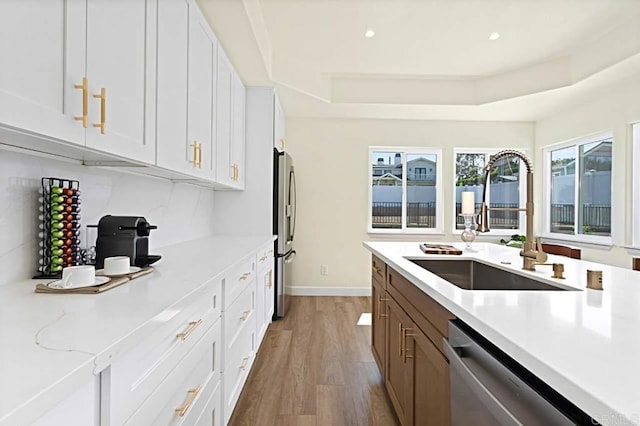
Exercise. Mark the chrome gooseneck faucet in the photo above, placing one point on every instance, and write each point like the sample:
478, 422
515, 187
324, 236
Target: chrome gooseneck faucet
532, 253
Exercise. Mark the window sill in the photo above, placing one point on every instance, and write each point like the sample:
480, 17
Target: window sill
404, 233
602, 243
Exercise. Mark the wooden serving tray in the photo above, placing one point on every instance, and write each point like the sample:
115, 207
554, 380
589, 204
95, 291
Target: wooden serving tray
439, 249
112, 283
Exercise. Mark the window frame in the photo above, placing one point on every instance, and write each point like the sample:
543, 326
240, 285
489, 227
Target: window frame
522, 192
635, 185
404, 150
546, 190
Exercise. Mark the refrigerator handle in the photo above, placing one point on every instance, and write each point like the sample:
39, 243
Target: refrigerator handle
292, 202
290, 256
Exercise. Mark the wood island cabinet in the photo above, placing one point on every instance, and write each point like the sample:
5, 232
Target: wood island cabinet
408, 328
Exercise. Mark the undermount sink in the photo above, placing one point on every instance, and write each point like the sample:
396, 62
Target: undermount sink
472, 275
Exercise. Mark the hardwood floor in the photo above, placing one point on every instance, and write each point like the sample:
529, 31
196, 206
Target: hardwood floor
315, 367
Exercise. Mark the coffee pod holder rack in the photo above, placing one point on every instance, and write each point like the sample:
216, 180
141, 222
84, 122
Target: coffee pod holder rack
59, 214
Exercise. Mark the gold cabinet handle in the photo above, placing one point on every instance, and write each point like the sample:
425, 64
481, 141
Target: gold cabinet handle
237, 173
85, 102
245, 276
282, 143
245, 361
193, 393
380, 300
245, 315
270, 279
199, 155
404, 344
194, 145
103, 110
192, 326
263, 258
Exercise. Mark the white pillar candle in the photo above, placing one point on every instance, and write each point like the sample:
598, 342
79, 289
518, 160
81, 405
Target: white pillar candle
468, 202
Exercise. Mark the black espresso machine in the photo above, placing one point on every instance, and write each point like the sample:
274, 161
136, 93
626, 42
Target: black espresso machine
124, 236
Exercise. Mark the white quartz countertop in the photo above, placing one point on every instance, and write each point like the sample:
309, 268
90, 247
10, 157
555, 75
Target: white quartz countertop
52, 344
585, 344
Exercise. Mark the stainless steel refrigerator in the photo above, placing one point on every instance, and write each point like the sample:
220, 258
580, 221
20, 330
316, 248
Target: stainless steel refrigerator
284, 226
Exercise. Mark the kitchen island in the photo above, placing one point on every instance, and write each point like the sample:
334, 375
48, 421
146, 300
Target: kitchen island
585, 344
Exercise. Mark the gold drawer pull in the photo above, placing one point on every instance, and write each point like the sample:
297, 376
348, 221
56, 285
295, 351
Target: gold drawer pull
193, 393
103, 110
85, 102
245, 315
380, 300
245, 361
245, 276
192, 326
194, 145
270, 279
263, 258
199, 155
404, 343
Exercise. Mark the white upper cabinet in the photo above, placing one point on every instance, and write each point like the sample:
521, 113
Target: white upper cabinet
202, 64
225, 173
42, 46
186, 103
238, 114
278, 126
172, 145
121, 46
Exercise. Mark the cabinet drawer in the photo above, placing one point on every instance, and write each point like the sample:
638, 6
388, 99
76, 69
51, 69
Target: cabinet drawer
181, 397
239, 316
238, 359
379, 271
238, 279
131, 379
265, 257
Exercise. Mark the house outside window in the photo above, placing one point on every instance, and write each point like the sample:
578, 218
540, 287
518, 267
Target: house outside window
577, 189
506, 188
406, 196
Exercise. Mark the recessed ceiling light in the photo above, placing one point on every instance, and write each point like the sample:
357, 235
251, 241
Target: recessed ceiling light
494, 36
369, 33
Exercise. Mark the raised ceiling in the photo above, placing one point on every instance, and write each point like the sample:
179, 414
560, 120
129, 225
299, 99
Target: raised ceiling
430, 59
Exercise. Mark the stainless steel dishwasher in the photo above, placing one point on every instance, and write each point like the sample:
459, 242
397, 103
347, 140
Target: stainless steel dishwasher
489, 388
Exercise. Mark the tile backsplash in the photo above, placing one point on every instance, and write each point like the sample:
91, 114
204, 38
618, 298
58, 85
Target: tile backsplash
181, 212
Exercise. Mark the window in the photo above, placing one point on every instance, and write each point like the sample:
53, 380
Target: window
402, 201
577, 189
506, 183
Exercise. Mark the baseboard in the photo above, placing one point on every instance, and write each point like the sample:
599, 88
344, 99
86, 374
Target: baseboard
329, 291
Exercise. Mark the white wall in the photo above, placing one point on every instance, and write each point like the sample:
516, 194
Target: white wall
332, 168
181, 212
612, 109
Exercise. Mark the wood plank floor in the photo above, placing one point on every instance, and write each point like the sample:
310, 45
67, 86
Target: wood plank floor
315, 367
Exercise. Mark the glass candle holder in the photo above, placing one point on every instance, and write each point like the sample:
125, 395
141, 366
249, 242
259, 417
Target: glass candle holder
468, 236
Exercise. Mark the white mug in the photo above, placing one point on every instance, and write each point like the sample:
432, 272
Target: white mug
78, 276
117, 265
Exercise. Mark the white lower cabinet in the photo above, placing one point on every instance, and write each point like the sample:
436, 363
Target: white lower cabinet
82, 408
191, 370
240, 344
181, 397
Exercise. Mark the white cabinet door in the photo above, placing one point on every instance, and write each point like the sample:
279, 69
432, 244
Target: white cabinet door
202, 62
121, 46
173, 151
225, 171
238, 114
264, 301
42, 46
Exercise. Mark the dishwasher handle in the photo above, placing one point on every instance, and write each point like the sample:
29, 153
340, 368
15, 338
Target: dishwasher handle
488, 399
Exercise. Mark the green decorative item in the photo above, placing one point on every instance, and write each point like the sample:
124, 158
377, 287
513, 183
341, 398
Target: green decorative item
515, 241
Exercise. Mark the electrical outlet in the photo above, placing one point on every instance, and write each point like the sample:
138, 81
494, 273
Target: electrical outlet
324, 270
